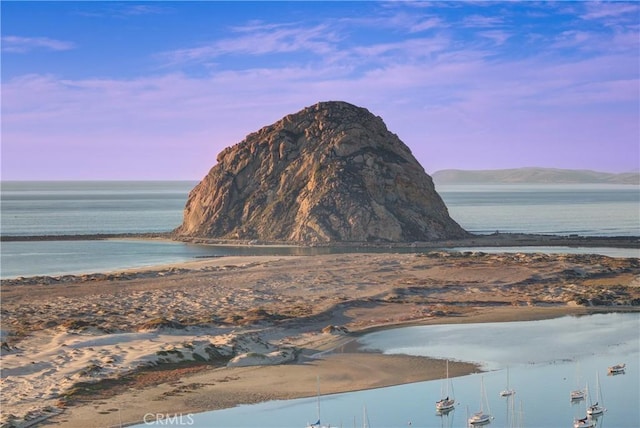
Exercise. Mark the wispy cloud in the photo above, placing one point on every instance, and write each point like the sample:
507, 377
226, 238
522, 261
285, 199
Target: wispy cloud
597, 43
568, 83
427, 24
397, 20
321, 40
497, 36
124, 10
407, 51
462, 97
482, 21
259, 39
573, 39
599, 10
18, 44
142, 9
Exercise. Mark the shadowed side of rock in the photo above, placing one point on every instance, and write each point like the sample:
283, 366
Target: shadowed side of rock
331, 172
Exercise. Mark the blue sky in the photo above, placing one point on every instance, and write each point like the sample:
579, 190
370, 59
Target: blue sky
154, 90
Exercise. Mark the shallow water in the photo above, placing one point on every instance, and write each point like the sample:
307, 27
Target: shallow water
546, 359
27, 258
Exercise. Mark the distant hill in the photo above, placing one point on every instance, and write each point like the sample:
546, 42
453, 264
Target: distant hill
532, 175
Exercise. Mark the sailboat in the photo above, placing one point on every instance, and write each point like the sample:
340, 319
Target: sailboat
447, 402
596, 409
578, 394
617, 369
481, 418
317, 424
585, 422
508, 391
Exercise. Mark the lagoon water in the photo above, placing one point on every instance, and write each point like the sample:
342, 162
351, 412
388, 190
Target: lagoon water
546, 359
81, 208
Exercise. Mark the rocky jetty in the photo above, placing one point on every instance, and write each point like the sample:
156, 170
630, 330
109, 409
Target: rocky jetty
331, 172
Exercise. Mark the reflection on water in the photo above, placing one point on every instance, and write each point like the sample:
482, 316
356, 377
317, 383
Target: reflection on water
542, 358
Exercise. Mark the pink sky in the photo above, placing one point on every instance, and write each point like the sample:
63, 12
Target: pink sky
490, 92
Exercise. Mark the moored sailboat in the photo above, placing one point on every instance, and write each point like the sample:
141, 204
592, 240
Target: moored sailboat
577, 394
507, 391
617, 369
317, 424
587, 421
481, 418
597, 409
447, 402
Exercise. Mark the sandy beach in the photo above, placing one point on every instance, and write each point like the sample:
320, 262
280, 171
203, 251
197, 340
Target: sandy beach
104, 349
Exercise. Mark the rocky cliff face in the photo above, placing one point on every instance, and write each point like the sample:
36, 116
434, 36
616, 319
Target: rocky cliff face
331, 172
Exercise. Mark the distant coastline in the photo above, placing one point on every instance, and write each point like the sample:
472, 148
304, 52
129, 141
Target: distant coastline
533, 175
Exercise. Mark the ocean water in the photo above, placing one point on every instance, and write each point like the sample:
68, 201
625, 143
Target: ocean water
577, 352
91, 207
116, 207
76, 208
562, 209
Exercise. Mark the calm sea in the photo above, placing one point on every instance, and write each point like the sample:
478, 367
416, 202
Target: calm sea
563, 209
89, 207
84, 208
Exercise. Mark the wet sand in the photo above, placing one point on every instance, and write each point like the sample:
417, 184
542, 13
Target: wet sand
220, 332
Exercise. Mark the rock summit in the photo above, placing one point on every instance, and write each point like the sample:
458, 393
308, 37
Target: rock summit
331, 172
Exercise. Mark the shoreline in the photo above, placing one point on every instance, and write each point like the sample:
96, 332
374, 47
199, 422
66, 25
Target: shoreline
342, 368
498, 239
280, 312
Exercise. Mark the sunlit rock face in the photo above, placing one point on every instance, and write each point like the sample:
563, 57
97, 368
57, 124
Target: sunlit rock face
331, 172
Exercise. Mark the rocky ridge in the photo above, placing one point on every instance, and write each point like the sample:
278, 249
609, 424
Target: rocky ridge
331, 172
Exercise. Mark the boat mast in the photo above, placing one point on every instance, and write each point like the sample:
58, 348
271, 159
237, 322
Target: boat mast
365, 419
600, 399
447, 386
484, 396
318, 396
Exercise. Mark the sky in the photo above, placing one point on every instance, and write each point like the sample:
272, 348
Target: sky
135, 90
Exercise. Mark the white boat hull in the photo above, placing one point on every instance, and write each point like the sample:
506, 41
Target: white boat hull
577, 395
443, 405
507, 392
479, 419
584, 423
617, 369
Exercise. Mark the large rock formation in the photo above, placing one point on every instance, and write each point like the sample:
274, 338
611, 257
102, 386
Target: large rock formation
331, 172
